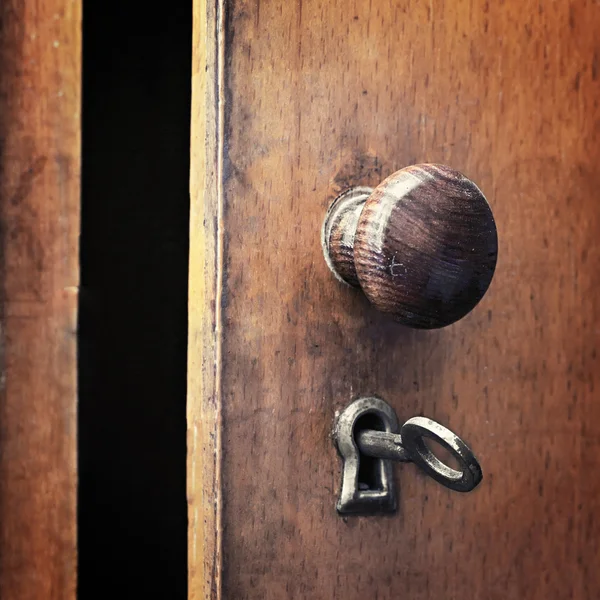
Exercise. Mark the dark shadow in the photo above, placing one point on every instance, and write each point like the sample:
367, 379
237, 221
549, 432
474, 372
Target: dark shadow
370, 471
133, 309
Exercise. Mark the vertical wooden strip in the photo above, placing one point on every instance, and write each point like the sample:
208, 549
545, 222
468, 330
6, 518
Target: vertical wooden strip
204, 363
40, 95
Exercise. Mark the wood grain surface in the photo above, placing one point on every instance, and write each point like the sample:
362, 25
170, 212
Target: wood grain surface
40, 54
318, 96
204, 312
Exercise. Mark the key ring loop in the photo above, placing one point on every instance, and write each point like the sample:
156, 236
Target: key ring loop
413, 433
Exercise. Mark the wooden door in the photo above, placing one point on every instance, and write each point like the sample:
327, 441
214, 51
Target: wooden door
292, 103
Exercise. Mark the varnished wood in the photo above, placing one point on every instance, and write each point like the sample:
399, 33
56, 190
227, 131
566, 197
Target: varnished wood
422, 246
318, 97
40, 72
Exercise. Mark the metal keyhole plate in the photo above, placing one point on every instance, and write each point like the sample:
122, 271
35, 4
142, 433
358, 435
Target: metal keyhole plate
352, 499
367, 433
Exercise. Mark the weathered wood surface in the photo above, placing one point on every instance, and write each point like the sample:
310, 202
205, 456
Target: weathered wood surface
204, 356
317, 96
40, 71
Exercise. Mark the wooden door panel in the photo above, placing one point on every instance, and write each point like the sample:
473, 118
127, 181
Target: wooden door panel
293, 103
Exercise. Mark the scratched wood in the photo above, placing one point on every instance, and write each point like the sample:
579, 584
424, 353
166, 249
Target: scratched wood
40, 53
203, 415
309, 98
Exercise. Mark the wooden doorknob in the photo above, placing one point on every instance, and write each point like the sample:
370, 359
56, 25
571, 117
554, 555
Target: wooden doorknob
422, 245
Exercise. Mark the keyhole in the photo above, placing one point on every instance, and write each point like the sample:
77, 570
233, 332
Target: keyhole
370, 471
367, 484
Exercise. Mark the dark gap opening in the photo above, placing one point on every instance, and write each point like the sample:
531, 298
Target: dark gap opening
370, 469
133, 310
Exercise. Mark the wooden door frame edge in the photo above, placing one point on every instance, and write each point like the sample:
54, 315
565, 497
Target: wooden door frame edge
204, 309
40, 168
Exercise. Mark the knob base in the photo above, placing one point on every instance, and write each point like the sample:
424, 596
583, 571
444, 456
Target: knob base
337, 235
